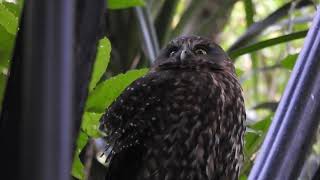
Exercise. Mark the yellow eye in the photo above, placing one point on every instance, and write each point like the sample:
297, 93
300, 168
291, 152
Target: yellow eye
200, 51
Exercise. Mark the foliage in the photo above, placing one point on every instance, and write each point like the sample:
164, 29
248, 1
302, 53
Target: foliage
106, 92
120, 4
8, 19
9, 15
77, 166
267, 43
253, 140
263, 63
100, 97
289, 61
102, 60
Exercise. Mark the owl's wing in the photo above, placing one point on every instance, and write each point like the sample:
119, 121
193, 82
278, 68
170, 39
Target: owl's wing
125, 124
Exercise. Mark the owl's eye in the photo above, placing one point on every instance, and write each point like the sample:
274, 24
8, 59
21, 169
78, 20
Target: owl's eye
200, 51
172, 52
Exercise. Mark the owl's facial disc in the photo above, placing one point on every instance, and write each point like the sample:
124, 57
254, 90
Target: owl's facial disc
191, 52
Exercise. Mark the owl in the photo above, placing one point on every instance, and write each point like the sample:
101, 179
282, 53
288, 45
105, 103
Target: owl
183, 120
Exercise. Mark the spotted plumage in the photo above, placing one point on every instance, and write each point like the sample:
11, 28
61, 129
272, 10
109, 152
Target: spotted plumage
184, 120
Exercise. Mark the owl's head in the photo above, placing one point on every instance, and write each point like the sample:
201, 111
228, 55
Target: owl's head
193, 53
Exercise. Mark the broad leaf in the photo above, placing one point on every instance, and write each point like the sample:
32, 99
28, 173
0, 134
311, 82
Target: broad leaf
267, 43
101, 63
8, 19
6, 46
243, 177
121, 4
253, 141
3, 80
239, 72
8, 28
77, 166
90, 124
289, 61
15, 8
106, 92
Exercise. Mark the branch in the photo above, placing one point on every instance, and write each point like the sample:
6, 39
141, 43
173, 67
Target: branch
267, 43
147, 30
257, 28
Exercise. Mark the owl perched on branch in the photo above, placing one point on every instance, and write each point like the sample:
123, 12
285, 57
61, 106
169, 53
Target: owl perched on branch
184, 120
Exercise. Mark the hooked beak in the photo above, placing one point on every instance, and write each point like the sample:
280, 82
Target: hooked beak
185, 54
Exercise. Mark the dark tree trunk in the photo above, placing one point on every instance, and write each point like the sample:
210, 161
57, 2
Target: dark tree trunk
89, 29
89, 19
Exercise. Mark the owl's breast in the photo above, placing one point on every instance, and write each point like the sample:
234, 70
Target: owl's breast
193, 127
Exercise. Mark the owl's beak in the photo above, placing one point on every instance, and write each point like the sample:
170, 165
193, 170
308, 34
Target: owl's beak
184, 54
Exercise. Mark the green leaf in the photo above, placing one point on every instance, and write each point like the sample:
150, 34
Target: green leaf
3, 80
77, 167
289, 61
13, 7
6, 46
239, 72
121, 4
106, 92
253, 141
268, 43
8, 20
249, 9
243, 177
90, 124
101, 63
8, 27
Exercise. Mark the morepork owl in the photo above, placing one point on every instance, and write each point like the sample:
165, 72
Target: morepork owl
184, 120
